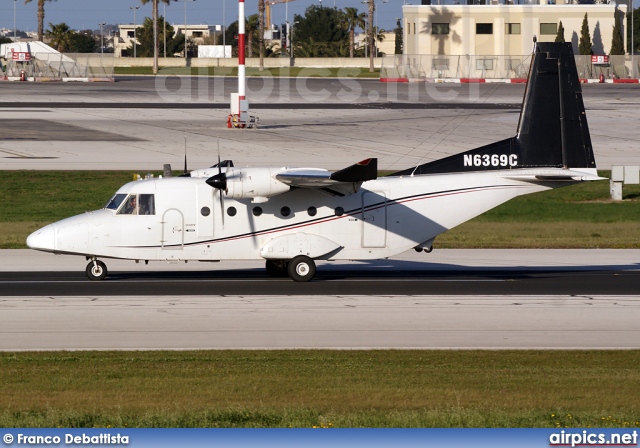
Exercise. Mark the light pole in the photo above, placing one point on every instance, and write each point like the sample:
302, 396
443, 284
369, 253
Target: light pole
134, 8
224, 28
291, 43
14, 19
164, 22
186, 52
101, 39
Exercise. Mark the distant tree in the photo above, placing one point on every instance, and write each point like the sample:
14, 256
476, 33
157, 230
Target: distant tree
144, 34
5, 40
324, 25
353, 20
60, 37
584, 45
560, 35
40, 17
83, 42
400, 38
617, 44
154, 17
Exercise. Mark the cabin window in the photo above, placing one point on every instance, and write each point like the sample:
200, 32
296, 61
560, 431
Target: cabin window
312, 211
115, 201
257, 211
205, 211
339, 211
143, 204
231, 211
285, 211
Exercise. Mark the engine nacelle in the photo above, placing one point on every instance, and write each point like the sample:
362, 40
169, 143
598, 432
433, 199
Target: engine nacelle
256, 183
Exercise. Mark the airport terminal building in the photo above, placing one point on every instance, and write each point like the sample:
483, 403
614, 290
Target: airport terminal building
493, 39
502, 28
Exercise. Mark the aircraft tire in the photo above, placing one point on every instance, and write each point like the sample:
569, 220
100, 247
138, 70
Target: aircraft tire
302, 269
277, 268
97, 271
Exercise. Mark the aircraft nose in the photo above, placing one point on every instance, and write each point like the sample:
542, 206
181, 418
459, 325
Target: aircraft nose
43, 239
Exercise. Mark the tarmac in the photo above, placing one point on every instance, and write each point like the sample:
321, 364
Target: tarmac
139, 124
23, 260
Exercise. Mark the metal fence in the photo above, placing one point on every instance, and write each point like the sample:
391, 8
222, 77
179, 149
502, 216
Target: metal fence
422, 67
63, 67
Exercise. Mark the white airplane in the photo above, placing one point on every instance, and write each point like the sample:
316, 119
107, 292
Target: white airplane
292, 216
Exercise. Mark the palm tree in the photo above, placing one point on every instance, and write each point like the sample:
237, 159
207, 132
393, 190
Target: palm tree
61, 36
40, 17
261, 33
251, 27
372, 7
154, 15
353, 20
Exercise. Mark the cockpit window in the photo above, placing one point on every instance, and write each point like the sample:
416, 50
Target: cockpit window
142, 204
115, 201
147, 204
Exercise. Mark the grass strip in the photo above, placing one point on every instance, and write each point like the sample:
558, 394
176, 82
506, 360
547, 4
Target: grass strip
304, 388
580, 216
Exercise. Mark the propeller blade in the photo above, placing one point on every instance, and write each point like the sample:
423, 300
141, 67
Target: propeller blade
222, 207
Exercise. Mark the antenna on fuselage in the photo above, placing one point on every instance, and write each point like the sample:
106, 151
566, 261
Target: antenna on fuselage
185, 154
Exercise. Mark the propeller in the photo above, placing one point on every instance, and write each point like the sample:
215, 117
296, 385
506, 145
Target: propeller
219, 182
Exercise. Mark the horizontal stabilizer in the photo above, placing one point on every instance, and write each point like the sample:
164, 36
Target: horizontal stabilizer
344, 182
360, 172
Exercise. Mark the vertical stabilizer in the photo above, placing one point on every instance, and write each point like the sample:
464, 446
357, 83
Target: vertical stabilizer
553, 126
552, 131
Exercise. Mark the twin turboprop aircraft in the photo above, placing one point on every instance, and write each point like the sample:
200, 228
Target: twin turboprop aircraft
290, 216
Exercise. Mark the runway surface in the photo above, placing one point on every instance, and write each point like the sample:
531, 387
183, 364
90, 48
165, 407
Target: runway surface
449, 299
328, 281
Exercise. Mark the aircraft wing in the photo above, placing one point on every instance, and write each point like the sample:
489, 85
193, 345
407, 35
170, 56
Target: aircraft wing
341, 183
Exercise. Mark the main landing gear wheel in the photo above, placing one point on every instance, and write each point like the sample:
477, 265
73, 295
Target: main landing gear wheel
277, 268
302, 268
96, 270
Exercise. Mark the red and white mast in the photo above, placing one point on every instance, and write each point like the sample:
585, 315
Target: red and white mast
241, 70
239, 117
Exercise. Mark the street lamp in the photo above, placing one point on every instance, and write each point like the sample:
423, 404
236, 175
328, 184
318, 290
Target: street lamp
291, 56
186, 53
101, 39
14, 19
134, 8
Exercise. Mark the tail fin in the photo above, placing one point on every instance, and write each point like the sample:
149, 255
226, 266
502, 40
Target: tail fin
552, 131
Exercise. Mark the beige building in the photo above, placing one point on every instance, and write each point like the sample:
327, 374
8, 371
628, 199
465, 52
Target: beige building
126, 35
503, 29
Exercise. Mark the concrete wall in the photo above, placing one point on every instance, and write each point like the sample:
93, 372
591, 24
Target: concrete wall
250, 62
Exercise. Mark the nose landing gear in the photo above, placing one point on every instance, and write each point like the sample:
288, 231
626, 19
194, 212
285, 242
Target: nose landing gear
96, 270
